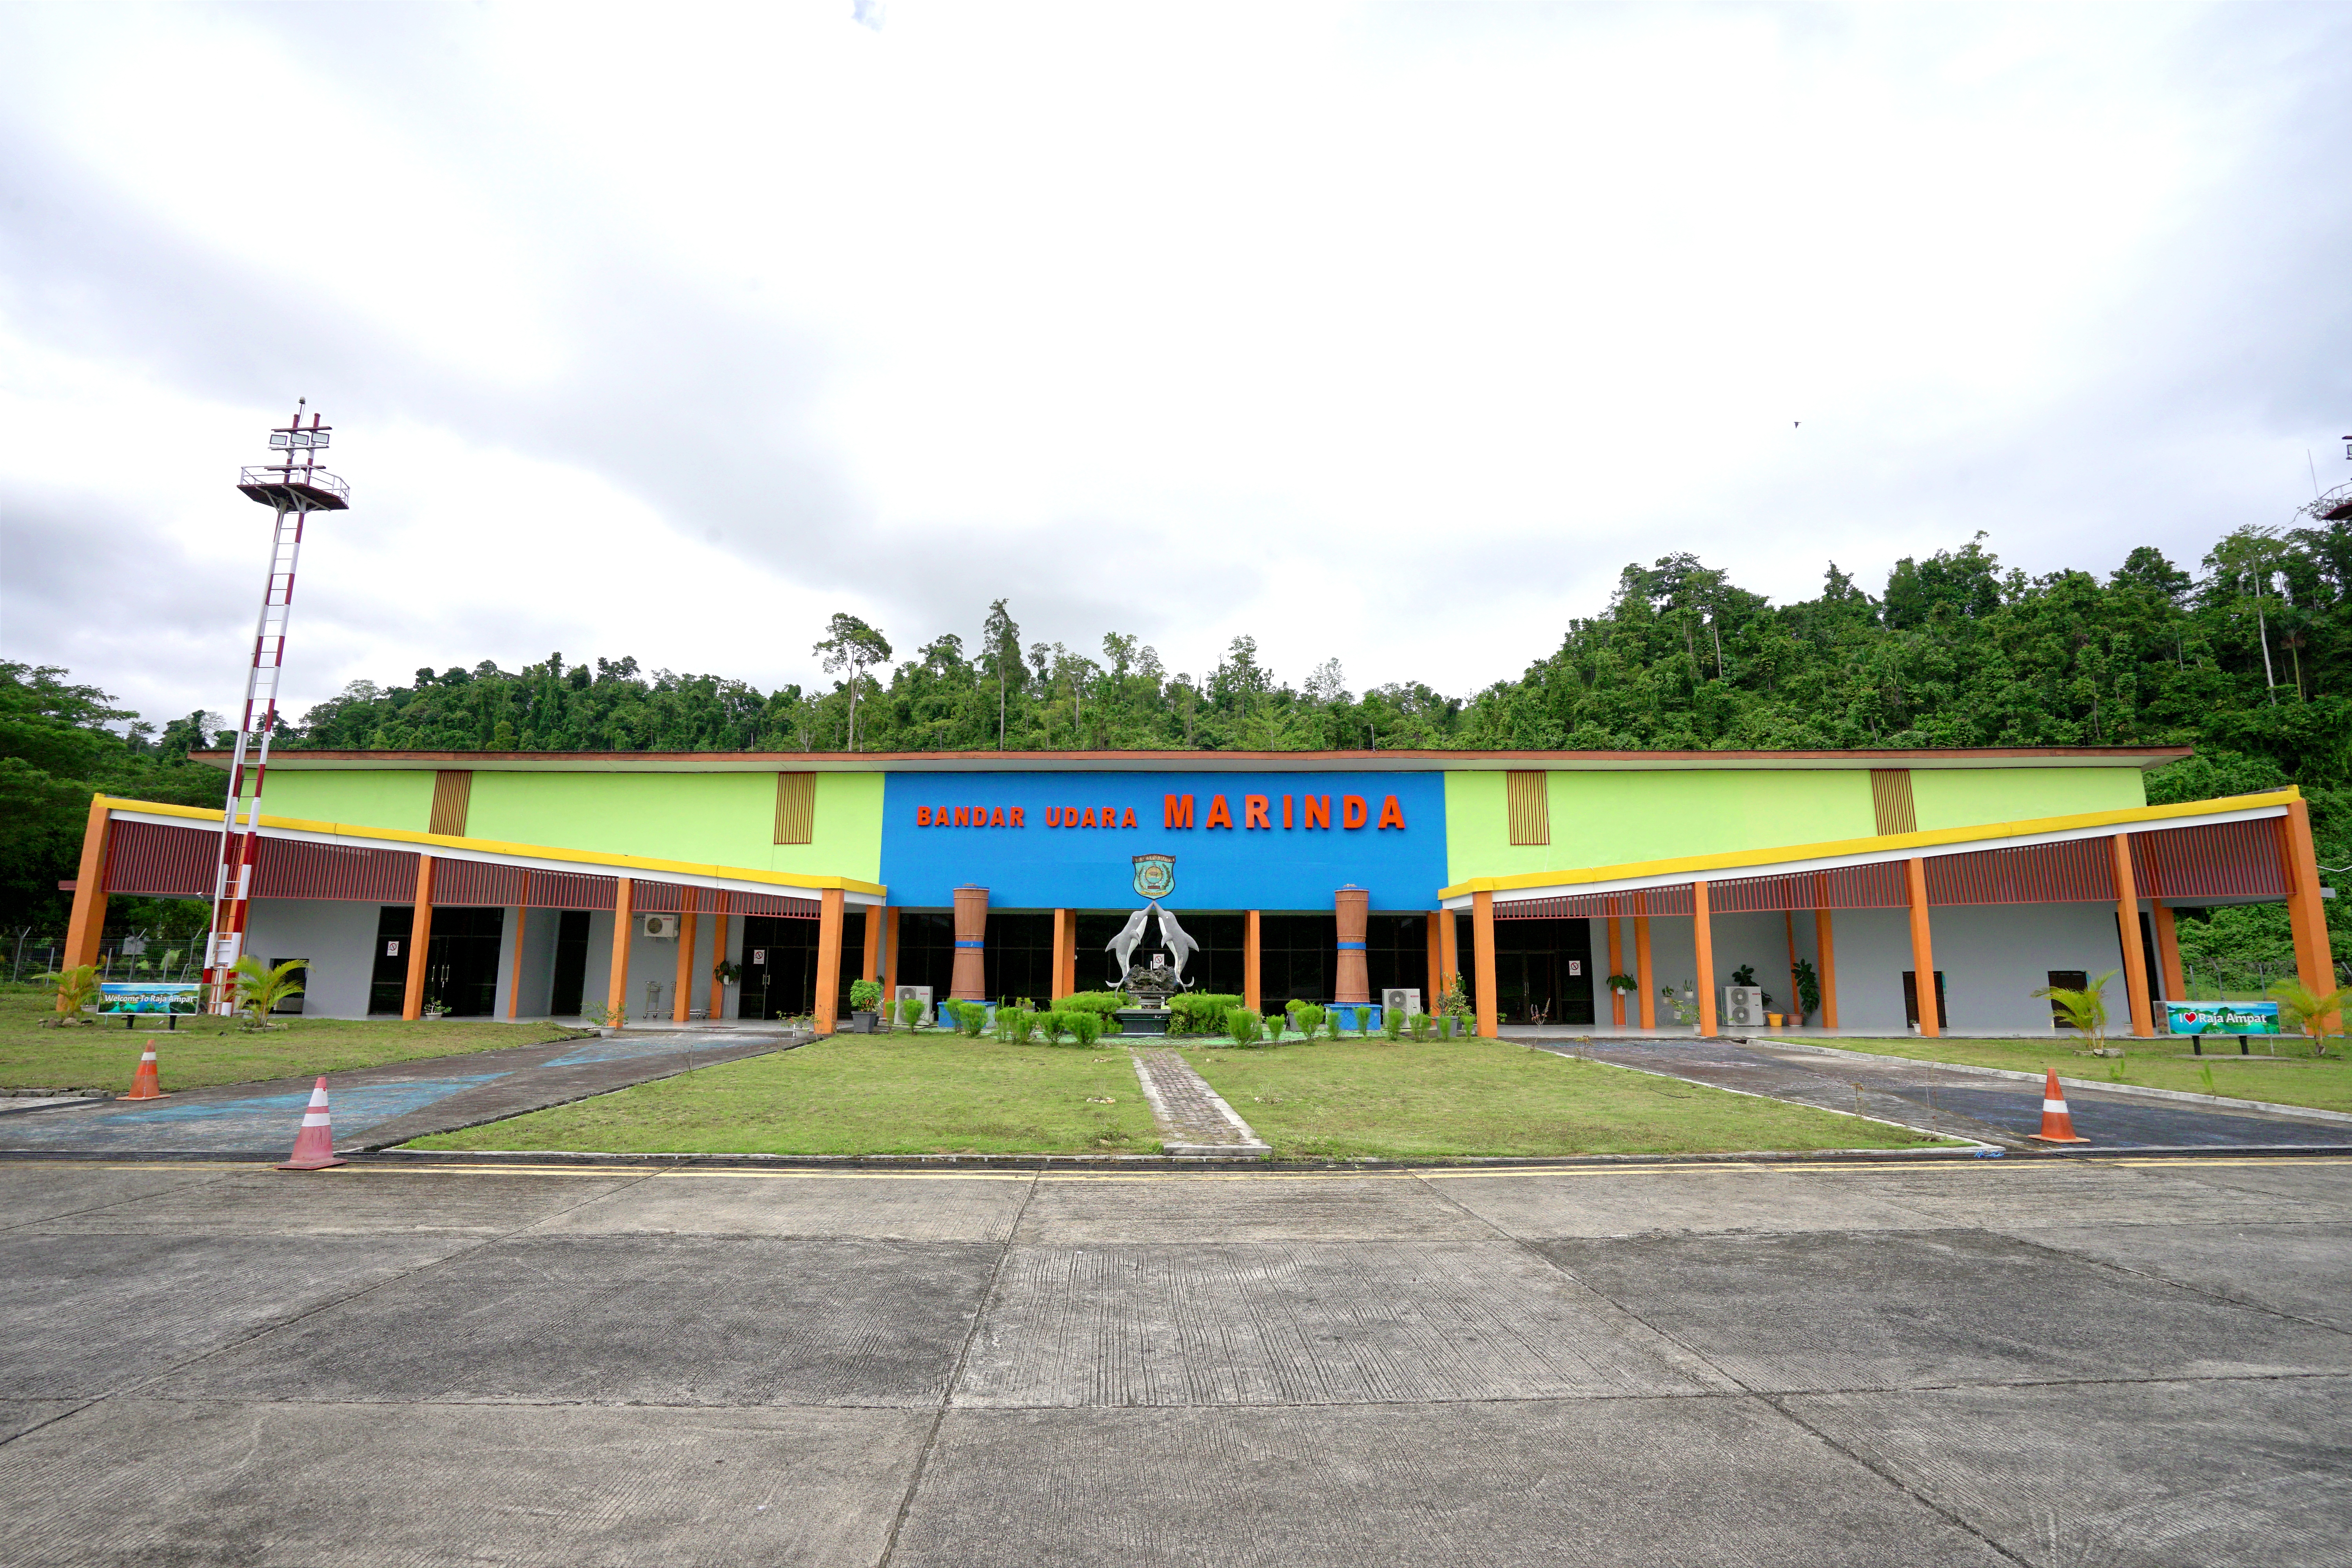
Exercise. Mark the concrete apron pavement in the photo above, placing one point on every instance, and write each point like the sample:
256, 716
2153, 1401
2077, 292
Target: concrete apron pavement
1954, 1100
377, 1108
2127, 1363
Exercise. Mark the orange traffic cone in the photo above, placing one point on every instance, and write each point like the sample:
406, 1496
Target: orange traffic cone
314, 1146
145, 1085
2057, 1125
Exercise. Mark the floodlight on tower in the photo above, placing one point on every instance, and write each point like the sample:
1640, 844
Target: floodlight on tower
293, 487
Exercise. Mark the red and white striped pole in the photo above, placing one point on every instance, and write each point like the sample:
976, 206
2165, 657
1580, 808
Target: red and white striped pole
294, 489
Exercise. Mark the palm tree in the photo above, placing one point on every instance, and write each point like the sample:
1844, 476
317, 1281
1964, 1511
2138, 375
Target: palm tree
2318, 1016
2085, 1011
260, 989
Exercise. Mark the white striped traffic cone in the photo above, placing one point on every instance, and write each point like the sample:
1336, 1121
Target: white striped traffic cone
2057, 1123
314, 1146
145, 1084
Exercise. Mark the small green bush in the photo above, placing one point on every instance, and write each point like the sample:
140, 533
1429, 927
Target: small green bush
1421, 1027
1086, 1025
1015, 1025
1306, 1017
1245, 1026
1053, 1024
1445, 1027
1393, 1022
1199, 1013
865, 996
969, 1017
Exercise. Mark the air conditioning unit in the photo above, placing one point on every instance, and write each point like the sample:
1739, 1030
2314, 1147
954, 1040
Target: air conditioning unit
1400, 1001
663, 926
916, 993
1743, 1006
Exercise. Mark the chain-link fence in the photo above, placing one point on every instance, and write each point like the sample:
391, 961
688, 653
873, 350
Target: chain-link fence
135, 957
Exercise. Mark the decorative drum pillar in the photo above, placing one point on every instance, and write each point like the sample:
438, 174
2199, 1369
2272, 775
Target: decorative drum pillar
970, 981
1353, 983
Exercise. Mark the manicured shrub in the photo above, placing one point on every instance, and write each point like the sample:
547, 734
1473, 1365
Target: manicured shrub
911, 1011
1100, 1003
1199, 1013
1393, 1022
1245, 1026
1306, 1017
1086, 1025
1053, 1024
968, 1018
1421, 1026
1445, 1027
1014, 1025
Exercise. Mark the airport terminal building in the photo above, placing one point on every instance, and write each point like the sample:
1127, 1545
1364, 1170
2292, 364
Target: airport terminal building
745, 885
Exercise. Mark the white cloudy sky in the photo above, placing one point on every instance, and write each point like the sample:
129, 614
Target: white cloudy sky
1382, 333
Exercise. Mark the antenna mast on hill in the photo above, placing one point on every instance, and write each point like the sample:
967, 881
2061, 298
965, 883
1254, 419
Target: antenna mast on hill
295, 487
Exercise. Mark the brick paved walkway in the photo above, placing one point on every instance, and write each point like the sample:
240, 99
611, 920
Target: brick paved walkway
1193, 1119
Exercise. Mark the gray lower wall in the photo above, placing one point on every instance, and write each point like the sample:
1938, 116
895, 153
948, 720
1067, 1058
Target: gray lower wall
337, 937
1992, 959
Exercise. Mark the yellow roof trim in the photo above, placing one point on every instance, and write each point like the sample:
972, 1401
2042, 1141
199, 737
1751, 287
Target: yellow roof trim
1932, 839
526, 851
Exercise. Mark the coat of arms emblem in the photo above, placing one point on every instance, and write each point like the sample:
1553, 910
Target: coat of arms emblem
1155, 876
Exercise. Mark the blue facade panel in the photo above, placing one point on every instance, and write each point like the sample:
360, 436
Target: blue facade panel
1046, 863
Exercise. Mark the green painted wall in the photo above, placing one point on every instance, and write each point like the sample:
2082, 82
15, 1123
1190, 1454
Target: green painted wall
1616, 818
1612, 819
729, 819
389, 798
1967, 797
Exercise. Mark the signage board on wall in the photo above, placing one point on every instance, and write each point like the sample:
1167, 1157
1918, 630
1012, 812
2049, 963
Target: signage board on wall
1242, 841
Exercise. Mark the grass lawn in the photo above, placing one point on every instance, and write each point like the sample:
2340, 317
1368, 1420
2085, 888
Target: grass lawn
858, 1094
1351, 1099
204, 1051
2291, 1077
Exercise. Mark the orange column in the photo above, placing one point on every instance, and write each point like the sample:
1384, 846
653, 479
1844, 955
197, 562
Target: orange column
1616, 967
1703, 945
420, 942
970, 977
873, 959
2127, 928
1449, 953
1789, 920
1825, 943
682, 991
828, 962
889, 917
1252, 989
1065, 951
2167, 953
1429, 998
86, 930
1645, 984
1350, 980
514, 976
1923, 948
1481, 952
2315, 964
717, 955
616, 991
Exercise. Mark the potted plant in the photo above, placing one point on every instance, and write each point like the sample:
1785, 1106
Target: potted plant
865, 999
1809, 991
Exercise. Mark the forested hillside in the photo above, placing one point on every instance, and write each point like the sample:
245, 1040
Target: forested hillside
2248, 659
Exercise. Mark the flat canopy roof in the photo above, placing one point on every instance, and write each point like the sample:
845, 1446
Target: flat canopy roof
2141, 757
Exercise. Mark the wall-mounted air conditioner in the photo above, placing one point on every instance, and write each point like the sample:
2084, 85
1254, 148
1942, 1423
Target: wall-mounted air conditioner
664, 926
1400, 1000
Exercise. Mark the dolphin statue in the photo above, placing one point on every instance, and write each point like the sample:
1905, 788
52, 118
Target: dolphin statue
1179, 946
1129, 937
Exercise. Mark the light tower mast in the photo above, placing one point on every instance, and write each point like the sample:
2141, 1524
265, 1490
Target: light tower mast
295, 487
